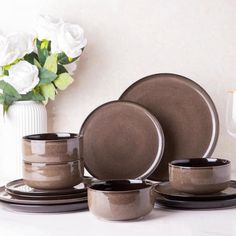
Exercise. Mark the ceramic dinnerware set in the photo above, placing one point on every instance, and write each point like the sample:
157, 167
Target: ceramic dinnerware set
153, 145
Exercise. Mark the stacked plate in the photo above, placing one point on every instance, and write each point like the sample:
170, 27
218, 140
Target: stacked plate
169, 197
18, 196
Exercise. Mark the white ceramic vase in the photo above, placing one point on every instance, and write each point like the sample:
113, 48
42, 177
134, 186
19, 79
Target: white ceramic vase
22, 118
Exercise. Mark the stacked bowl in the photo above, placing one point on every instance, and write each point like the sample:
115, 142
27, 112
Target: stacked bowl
52, 160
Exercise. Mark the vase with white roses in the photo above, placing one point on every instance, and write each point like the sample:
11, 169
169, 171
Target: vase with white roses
33, 69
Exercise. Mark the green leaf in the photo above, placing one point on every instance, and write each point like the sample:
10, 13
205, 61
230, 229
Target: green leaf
44, 44
63, 81
61, 69
9, 95
1, 99
46, 76
43, 52
7, 101
5, 108
36, 63
31, 57
51, 63
48, 91
6, 67
9, 90
32, 96
64, 59
5, 72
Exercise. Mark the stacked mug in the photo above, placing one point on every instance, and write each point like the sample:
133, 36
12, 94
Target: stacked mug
52, 160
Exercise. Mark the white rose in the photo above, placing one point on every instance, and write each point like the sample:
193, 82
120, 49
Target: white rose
47, 27
64, 37
71, 40
23, 76
15, 46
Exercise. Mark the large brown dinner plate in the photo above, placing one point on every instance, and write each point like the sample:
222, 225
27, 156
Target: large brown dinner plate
186, 113
121, 140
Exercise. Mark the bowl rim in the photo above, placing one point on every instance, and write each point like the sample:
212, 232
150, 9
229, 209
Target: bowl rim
42, 164
63, 138
143, 183
224, 162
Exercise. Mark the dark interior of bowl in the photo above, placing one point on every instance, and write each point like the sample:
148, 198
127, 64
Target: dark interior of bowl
200, 162
50, 136
120, 185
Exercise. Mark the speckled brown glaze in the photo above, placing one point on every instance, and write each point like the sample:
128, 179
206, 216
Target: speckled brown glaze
51, 147
121, 140
53, 176
186, 113
199, 176
120, 200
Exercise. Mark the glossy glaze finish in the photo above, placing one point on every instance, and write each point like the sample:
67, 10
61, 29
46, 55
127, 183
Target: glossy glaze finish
24, 205
200, 176
51, 147
198, 204
57, 208
120, 200
53, 176
18, 187
186, 113
6, 197
165, 189
121, 140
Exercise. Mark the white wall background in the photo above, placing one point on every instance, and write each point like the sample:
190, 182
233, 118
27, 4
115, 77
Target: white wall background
129, 39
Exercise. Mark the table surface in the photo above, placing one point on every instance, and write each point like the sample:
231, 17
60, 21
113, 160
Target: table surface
162, 221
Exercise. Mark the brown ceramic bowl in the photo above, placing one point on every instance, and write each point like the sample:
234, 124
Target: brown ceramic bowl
53, 176
51, 147
120, 199
200, 175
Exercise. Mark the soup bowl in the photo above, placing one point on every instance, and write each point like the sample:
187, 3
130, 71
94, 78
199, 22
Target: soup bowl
52, 147
52, 160
121, 199
199, 175
52, 176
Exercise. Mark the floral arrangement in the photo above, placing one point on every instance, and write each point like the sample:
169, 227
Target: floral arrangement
35, 66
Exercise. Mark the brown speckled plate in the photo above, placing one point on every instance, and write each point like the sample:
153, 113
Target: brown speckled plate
121, 140
46, 208
6, 197
202, 204
167, 191
186, 113
49, 197
18, 187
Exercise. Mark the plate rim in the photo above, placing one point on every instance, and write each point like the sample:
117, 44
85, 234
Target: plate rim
178, 204
48, 197
37, 194
210, 104
200, 197
39, 208
154, 120
39, 202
